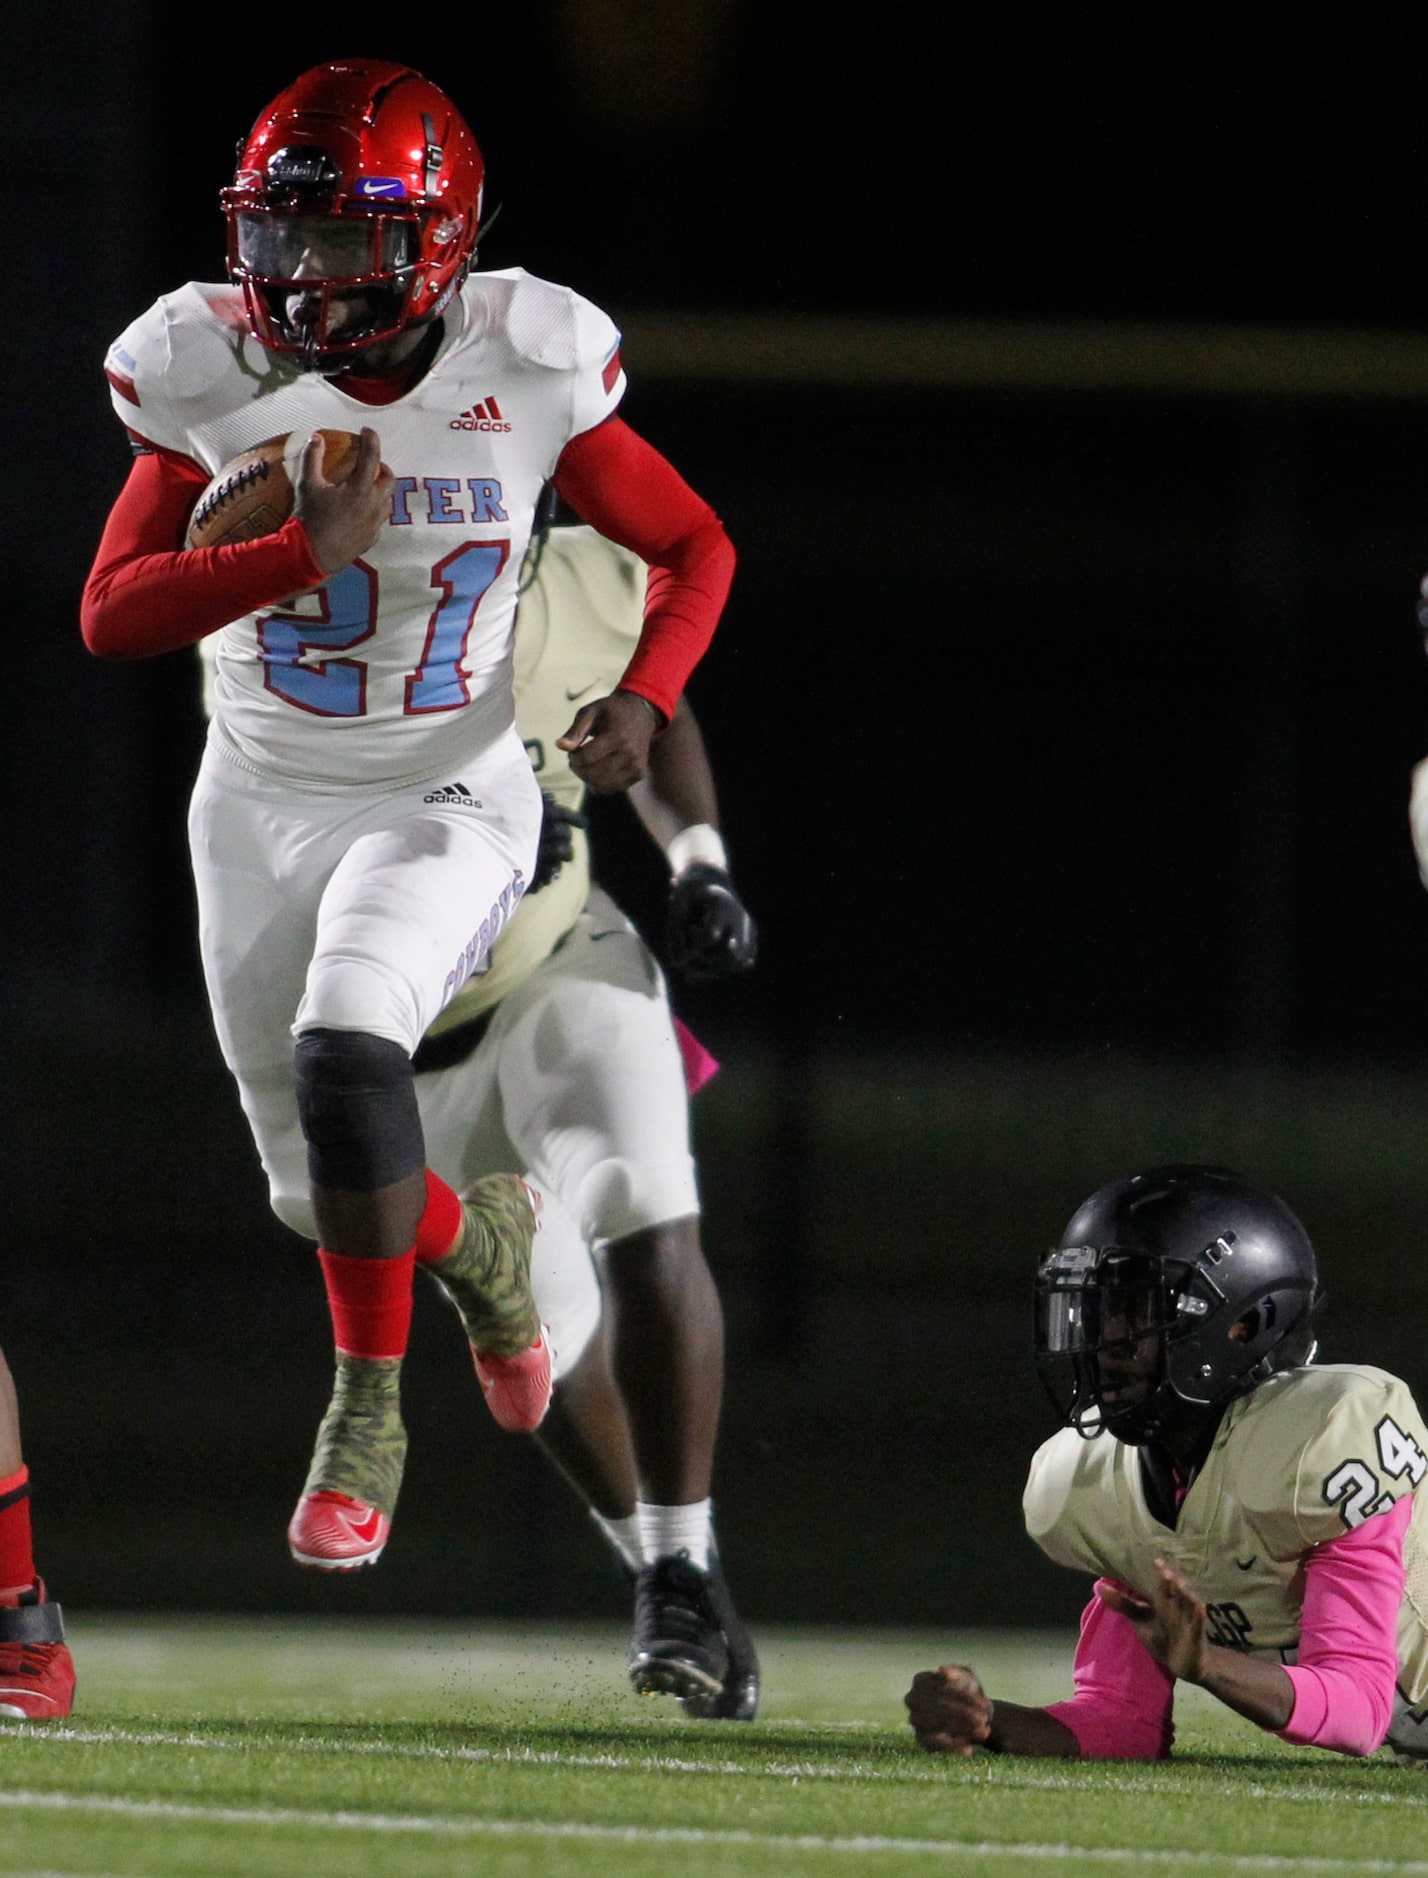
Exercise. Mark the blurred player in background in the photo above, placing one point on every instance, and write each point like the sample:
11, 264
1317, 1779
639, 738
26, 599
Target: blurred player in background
36, 1671
566, 1061
365, 820
1418, 784
1252, 1519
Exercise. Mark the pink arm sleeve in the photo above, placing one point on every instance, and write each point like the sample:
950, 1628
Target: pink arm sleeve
1121, 1708
1348, 1637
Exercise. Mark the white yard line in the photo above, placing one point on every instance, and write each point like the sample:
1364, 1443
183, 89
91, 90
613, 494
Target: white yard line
435, 1825
28, 1873
1003, 1776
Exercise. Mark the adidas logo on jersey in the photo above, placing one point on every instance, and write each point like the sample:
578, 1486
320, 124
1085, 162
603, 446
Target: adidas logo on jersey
457, 793
483, 416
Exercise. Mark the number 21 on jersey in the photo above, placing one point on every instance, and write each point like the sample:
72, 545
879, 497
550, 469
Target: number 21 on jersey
330, 686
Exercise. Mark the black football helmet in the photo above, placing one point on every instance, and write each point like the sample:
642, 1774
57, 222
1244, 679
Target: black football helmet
1172, 1292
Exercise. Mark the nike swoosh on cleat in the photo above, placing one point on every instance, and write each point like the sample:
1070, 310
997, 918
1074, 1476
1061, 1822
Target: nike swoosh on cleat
366, 1528
1243, 1564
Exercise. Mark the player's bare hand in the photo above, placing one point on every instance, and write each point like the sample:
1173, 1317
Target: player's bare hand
609, 742
1171, 1622
343, 519
949, 1709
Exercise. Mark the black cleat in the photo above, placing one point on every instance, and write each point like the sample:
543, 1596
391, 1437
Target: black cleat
679, 1646
738, 1700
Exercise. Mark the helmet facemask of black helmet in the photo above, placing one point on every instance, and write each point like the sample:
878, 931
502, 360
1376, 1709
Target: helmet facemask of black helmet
1102, 1317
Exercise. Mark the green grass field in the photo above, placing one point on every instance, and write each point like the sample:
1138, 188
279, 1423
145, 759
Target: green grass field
295, 1749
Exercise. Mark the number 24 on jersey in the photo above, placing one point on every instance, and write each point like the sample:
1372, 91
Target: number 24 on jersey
1355, 1488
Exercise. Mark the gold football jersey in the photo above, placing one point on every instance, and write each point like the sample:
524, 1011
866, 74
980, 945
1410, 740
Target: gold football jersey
1309, 1455
577, 624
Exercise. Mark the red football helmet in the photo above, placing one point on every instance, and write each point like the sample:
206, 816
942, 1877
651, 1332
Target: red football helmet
354, 212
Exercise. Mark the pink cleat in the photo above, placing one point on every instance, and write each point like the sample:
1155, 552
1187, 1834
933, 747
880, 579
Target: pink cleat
517, 1388
336, 1533
487, 1276
36, 1668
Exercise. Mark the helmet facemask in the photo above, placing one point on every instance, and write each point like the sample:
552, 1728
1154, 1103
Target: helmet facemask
1102, 1320
325, 285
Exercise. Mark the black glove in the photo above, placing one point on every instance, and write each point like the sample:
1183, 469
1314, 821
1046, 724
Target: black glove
557, 842
709, 933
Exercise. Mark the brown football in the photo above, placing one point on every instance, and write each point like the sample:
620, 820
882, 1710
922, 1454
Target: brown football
252, 494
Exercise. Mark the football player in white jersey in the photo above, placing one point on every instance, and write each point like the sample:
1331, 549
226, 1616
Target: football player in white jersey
600, 1127
36, 1670
365, 820
1252, 1519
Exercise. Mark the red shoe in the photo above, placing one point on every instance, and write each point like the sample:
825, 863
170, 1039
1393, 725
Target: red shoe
517, 1388
335, 1533
36, 1668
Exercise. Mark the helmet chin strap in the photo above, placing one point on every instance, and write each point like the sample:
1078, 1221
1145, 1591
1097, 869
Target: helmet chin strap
1181, 1429
1163, 1412
454, 286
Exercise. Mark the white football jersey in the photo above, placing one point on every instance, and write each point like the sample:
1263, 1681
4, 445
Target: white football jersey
399, 669
1309, 1455
579, 619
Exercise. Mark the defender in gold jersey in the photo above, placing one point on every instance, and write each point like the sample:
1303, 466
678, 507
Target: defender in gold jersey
1251, 1518
565, 1061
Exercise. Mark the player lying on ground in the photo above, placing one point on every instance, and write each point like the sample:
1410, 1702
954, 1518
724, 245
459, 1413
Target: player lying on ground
1251, 1519
365, 819
36, 1672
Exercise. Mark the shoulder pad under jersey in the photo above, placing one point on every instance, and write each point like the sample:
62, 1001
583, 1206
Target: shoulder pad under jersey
1325, 1447
553, 326
1069, 1481
191, 350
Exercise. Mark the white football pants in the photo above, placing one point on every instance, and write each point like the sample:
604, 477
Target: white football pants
358, 910
580, 1076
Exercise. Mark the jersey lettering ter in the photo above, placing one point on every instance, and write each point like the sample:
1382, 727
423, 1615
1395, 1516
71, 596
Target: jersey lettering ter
1308, 1456
399, 668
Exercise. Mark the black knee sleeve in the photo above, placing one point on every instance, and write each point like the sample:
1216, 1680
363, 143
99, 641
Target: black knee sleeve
357, 1103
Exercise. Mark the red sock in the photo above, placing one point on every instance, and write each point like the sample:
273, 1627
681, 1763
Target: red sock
17, 1563
440, 1222
370, 1301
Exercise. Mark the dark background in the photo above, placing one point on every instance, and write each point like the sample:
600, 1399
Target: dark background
1063, 739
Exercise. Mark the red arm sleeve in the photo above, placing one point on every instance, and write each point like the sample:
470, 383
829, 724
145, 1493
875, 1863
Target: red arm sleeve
621, 485
145, 594
1348, 1637
1122, 1706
